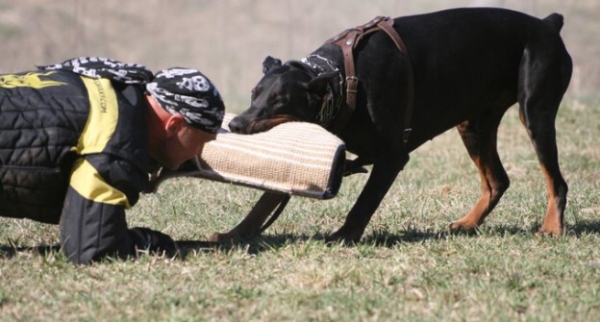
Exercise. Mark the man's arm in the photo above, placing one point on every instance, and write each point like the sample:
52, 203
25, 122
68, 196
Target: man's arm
93, 223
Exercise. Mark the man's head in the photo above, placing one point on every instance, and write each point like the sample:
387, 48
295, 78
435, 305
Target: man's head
189, 112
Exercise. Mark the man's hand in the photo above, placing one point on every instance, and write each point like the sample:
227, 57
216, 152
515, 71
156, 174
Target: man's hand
154, 242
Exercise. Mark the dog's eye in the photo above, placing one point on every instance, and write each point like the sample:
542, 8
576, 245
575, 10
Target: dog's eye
274, 100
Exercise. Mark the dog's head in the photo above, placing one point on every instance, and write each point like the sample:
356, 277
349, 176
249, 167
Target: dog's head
286, 92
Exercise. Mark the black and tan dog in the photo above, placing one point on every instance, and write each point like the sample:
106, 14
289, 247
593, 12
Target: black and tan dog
469, 67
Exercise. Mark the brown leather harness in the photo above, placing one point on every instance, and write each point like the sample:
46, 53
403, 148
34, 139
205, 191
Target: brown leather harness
347, 41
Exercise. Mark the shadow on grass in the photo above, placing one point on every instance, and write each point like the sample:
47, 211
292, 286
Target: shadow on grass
254, 245
381, 238
275, 242
584, 227
11, 251
415, 235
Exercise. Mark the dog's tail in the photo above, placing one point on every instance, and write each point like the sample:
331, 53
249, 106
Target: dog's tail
555, 20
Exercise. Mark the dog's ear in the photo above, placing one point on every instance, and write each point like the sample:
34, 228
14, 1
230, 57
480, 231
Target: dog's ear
318, 85
270, 63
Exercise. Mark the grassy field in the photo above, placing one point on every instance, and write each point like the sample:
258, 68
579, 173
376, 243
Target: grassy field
406, 267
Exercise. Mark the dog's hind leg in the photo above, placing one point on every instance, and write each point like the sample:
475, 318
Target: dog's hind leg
543, 80
479, 137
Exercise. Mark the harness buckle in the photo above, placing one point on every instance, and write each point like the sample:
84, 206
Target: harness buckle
406, 135
352, 84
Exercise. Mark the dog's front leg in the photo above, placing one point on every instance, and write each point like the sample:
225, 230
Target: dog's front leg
384, 172
250, 226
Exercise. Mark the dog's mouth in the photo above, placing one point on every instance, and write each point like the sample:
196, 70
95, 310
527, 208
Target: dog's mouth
265, 125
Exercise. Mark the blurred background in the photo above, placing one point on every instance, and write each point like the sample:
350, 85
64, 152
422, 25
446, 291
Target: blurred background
228, 39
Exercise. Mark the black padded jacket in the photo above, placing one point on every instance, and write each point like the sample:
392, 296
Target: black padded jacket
73, 150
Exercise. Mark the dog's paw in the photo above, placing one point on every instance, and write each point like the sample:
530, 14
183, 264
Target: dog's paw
348, 172
354, 166
231, 237
459, 230
544, 232
462, 226
342, 238
222, 238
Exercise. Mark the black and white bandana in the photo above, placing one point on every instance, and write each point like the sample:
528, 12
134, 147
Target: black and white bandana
178, 90
99, 67
191, 94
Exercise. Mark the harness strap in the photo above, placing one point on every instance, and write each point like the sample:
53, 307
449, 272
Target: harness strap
347, 41
347, 45
387, 25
